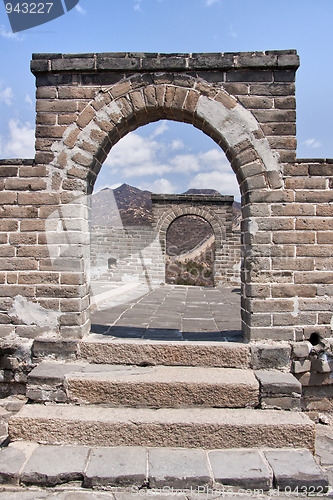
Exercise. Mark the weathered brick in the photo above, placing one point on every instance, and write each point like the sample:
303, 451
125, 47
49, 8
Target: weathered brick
76, 92
46, 92
296, 264
50, 131
314, 277
85, 117
38, 199
66, 119
314, 250
294, 237
23, 239
56, 106
313, 196
290, 290
316, 224
46, 119
72, 137
293, 209
38, 278
15, 212
33, 171
256, 102
32, 184
306, 183
275, 115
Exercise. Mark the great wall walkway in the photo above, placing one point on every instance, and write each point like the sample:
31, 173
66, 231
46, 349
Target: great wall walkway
170, 312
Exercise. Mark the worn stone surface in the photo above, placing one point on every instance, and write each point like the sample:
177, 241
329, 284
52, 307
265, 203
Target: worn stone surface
12, 461
177, 468
265, 356
295, 468
243, 468
274, 382
208, 428
51, 465
164, 386
121, 466
194, 353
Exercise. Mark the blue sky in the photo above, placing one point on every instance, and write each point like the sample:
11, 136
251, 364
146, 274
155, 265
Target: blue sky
171, 157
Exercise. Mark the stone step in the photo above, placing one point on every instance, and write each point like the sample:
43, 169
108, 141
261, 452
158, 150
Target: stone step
151, 386
31, 464
163, 386
193, 428
177, 353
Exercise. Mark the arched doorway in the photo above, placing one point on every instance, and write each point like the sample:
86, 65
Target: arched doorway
190, 252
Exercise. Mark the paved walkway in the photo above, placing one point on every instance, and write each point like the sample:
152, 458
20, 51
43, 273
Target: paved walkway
74, 472
172, 312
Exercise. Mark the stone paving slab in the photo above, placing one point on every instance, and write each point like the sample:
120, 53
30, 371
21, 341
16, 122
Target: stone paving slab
296, 469
51, 465
12, 461
121, 466
178, 468
174, 473
188, 309
242, 468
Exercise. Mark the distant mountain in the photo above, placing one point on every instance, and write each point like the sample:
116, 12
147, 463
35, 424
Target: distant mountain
129, 206
126, 202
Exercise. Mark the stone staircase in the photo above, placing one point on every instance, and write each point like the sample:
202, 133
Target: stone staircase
155, 393
159, 414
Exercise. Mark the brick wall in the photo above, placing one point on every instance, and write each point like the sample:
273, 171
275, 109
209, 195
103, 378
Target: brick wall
246, 103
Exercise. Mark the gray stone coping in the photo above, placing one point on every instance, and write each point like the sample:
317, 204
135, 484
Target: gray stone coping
24, 463
138, 61
185, 198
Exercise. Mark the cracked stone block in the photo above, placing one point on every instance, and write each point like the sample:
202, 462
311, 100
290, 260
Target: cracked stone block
51, 465
12, 460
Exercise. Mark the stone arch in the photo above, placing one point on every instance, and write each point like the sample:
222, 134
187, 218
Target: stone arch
214, 209
174, 213
125, 106
85, 103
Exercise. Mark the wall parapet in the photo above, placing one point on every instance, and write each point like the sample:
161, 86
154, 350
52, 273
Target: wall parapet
143, 61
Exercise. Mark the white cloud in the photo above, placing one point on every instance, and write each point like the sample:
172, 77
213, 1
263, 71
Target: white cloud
20, 142
80, 10
28, 100
160, 186
232, 32
9, 34
208, 3
312, 143
138, 156
160, 129
7, 96
224, 182
137, 5
133, 150
177, 144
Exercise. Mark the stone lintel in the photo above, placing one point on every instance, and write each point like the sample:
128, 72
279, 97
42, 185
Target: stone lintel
142, 62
